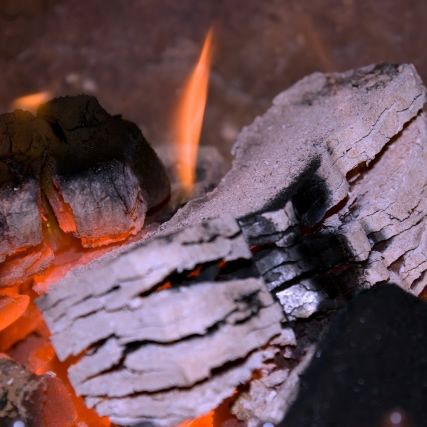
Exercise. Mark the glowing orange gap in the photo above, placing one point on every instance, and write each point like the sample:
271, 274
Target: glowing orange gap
189, 116
31, 102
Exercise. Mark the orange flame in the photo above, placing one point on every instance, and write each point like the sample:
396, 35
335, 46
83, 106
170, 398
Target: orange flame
31, 102
189, 116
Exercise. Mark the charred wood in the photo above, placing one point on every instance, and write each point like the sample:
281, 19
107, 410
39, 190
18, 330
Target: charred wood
166, 344
103, 169
97, 172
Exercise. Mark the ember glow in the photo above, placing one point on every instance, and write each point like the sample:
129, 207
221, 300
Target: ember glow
25, 338
31, 102
203, 421
12, 306
189, 116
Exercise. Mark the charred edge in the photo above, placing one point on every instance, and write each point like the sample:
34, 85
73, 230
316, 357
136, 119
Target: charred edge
325, 253
214, 271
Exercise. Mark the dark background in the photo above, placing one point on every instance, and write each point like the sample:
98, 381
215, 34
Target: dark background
134, 54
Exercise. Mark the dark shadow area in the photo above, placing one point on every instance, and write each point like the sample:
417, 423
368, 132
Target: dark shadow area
370, 368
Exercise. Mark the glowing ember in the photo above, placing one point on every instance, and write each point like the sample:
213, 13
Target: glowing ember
25, 337
31, 102
220, 417
12, 307
204, 421
189, 116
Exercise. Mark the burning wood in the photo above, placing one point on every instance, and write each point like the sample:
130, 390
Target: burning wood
164, 355
97, 172
313, 210
103, 169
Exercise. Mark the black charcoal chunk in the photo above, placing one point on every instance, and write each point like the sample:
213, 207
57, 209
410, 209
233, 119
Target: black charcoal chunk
370, 368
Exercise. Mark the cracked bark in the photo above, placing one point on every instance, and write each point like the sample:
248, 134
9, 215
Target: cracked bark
164, 355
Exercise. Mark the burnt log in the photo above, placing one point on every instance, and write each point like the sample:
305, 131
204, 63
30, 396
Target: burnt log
321, 248
169, 336
331, 123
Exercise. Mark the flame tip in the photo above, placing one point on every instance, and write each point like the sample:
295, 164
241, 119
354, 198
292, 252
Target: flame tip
190, 113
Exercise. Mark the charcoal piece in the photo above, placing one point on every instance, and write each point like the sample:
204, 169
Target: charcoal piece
20, 219
370, 364
97, 171
166, 342
302, 300
23, 139
268, 227
23, 142
18, 269
88, 135
102, 171
118, 207
18, 389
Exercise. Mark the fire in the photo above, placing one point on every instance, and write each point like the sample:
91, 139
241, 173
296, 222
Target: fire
23, 333
31, 102
189, 116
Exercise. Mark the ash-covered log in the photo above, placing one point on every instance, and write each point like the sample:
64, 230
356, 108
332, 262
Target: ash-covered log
322, 246
169, 337
331, 123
